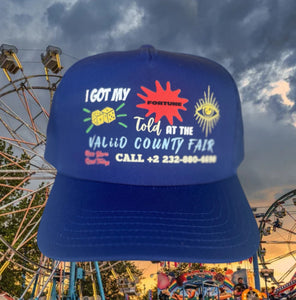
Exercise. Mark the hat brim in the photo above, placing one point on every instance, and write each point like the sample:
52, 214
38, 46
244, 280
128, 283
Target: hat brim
206, 223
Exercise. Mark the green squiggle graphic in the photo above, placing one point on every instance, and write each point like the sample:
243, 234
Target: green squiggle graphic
122, 124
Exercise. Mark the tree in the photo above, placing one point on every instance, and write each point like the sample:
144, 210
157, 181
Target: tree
110, 283
184, 268
17, 221
154, 294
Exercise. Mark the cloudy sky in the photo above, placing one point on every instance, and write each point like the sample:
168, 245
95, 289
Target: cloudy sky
254, 40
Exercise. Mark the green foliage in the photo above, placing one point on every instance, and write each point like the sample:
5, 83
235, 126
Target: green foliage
184, 268
111, 287
11, 281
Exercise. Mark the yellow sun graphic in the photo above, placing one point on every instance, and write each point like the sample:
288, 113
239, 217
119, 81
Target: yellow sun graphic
207, 112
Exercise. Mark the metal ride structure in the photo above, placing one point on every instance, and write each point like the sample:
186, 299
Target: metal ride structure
127, 284
277, 228
24, 174
26, 179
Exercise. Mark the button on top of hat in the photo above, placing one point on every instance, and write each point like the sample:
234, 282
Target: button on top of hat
148, 50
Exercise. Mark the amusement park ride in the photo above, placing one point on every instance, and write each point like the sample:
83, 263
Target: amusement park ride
26, 178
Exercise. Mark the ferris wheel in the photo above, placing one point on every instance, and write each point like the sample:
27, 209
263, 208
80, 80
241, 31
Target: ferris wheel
25, 176
278, 238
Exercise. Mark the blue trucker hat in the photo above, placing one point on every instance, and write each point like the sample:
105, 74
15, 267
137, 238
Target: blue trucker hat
146, 144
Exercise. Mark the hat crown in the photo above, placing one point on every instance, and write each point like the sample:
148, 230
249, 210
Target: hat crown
146, 144
146, 117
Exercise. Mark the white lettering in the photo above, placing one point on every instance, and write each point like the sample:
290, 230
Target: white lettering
173, 144
93, 94
201, 145
102, 94
186, 130
97, 142
171, 129
120, 94
126, 157
86, 95
125, 93
117, 94
150, 126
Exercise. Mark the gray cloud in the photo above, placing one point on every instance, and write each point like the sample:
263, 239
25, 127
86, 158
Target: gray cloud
168, 24
22, 20
86, 26
238, 34
276, 109
292, 93
269, 152
55, 13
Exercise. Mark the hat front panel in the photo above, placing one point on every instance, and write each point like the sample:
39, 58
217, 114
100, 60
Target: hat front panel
133, 119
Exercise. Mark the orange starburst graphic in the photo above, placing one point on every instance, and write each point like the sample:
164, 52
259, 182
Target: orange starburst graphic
162, 102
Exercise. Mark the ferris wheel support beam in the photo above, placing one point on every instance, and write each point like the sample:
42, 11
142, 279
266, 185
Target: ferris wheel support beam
26, 150
21, 255
36, 100
256, 272
19, 234
23, 220
19, 189
16, 117
14, 188
290, 270
25, 196
49, 279
24, 241
12, 161
27, 238
15, 140
30, 283
26, 104
99, 278
21, 266
71, 293
280, 257
59, 77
